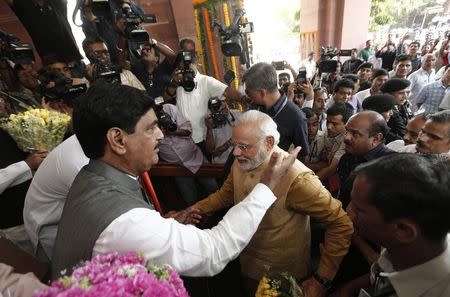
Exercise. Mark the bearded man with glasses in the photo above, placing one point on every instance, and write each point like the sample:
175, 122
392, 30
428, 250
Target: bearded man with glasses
283, 237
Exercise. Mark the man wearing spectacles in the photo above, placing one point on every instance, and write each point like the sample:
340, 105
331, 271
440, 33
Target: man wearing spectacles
97, 51
283, 238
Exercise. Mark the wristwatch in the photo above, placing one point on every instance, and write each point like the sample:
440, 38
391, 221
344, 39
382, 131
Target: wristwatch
326, 283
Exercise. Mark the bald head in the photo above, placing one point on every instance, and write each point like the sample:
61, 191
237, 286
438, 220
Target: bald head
365, 131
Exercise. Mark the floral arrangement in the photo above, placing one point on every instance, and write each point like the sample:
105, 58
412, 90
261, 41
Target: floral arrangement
36, 128
114, 275
278, 285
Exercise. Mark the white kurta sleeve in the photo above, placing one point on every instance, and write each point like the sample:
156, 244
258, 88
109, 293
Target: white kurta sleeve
189, 250
14, 174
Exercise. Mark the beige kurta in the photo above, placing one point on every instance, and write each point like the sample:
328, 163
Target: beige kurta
282, 240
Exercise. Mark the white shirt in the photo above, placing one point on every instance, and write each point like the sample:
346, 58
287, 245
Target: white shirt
362, 95
47, 193
397, 145
127, 78
14, 174
194, 105
419, 79
189, 250
310, 67
430, 279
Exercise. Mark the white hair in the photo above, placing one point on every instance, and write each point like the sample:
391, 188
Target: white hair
266, 125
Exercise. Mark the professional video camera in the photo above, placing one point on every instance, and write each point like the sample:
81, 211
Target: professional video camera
326, 63
187, 81
14, 50
232, 35
106, 71
164, 119
219, 117
55, 86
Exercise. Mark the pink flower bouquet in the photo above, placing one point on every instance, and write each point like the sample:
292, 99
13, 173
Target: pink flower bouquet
114, 275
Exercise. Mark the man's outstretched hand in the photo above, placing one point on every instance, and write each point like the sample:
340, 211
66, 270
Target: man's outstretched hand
187, 216
277, 168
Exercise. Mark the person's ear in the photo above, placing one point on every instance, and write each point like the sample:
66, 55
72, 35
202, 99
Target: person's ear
116, 138
377, 139
405, 231
269, 142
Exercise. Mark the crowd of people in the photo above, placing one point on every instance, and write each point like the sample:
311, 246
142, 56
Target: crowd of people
348, 164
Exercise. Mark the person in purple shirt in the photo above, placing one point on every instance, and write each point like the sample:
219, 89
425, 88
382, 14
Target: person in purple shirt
177, 147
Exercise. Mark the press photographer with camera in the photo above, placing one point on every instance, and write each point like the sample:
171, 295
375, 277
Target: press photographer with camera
101, 67
192, 91
219, 124
177, 147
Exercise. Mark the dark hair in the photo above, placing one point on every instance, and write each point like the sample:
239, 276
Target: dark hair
309, 112
400, 58
88, 41
379, 72
350, 76
184, 41
341, 108
104, 106
284, 74
413, 186
415, 42
343, 83
441, 117
354, 50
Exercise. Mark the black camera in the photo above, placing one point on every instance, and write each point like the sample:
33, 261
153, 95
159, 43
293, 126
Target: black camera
187, 81
55, 86
326, 64
106, 71
132, 22
14, 50
301, 79
164, 119
232, 35
219, 116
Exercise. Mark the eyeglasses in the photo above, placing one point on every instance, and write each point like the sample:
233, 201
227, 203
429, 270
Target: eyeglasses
243, 146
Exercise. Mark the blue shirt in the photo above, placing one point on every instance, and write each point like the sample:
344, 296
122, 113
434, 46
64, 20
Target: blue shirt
431, 96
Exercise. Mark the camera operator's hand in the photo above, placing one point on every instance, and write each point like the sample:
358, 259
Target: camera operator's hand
209, 123
290, 93
308, 90
177, 77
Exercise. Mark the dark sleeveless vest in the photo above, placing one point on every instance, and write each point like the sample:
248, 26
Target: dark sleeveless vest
99, 194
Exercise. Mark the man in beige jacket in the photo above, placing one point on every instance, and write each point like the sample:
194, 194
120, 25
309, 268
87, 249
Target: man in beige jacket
282, 240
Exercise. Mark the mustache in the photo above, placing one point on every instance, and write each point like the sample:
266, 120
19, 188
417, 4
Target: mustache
420, 143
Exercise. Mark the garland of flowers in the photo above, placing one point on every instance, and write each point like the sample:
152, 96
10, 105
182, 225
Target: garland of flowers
210, 42
233, 59
200, 40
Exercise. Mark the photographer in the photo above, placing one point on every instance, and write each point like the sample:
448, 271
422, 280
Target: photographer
151, 72
98, 54
192, 91
177, 147
219, 125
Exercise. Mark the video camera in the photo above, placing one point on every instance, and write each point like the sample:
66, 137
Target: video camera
232, 35
187, 81
326, 63
13, 49
164, 119
132, 21
219, 117
106, 71
55, 86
